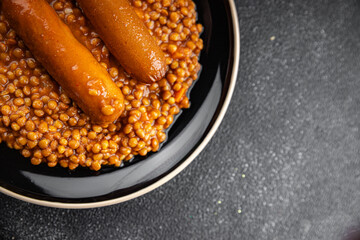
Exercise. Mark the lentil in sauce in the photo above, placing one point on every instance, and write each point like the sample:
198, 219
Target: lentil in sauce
39, 119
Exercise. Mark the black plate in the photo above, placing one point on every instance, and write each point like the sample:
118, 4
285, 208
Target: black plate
20, 178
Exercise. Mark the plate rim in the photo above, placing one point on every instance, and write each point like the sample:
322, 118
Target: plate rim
182, 166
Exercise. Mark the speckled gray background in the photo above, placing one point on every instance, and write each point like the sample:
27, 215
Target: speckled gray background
292, 129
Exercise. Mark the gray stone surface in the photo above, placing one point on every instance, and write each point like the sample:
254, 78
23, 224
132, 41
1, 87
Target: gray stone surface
292, 129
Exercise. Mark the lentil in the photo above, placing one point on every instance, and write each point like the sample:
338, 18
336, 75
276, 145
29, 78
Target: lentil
38, 118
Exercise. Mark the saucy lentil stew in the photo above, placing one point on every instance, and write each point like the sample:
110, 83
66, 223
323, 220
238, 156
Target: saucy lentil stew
39, 119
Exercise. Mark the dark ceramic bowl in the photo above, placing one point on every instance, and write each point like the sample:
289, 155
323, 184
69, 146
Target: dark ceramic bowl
194, 127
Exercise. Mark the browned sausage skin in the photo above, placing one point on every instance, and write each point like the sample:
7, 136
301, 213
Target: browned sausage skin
127, 38
66, 60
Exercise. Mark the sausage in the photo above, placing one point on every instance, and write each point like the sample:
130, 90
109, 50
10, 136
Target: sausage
127, 38
66, 60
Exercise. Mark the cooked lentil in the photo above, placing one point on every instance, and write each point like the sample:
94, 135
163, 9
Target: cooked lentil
39, 119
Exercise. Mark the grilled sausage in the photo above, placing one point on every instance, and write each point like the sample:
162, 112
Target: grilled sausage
66, 60
126, 37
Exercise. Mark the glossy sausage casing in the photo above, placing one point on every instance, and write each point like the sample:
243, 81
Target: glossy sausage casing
67, 61
127, 38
